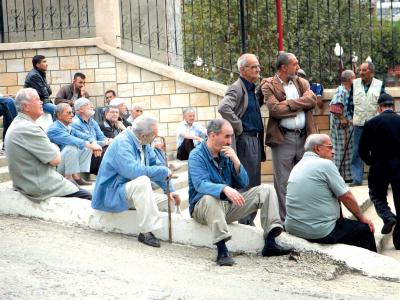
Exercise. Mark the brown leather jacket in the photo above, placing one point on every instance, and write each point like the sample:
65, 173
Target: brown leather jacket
274, 94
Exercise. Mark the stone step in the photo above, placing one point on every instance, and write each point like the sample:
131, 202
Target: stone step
3, 160
4, 175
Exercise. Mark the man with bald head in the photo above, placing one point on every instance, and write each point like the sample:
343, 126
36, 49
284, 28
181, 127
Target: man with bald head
32, 158
290, 103
241, 108
315, 193
216, 177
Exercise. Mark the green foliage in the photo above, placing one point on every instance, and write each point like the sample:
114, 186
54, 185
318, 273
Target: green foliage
311, 30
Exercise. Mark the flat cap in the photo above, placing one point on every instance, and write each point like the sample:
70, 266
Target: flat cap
385, 99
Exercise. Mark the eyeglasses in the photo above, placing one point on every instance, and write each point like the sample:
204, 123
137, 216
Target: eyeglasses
253, 67
70, 112
330, 146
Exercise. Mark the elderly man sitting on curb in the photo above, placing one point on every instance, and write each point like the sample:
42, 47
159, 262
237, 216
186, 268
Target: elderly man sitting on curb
90, 130
125, 175
76, 151
215, 175
315, 192
31, 156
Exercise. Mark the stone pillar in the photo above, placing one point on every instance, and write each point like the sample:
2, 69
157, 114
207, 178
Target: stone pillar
108, 21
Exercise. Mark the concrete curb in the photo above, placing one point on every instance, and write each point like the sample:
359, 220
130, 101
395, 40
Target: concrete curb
78, 212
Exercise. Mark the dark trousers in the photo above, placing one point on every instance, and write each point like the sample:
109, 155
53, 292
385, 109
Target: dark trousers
380, 176
184, 149
8, 111
248, 148
84, 194
350, 232
96, 161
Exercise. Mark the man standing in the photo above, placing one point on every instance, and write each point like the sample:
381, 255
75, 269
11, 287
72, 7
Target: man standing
124, 180
188, 134
241, 108
31, 156
36, 79
290, 103
90, 130
72, 92
366, 91
314, 195
215, 175
111, 126
76, 150
380, 148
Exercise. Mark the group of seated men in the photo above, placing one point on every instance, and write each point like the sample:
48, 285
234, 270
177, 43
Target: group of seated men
126, 165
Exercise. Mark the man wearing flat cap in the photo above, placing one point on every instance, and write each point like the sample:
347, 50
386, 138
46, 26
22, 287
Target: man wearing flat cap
380, 149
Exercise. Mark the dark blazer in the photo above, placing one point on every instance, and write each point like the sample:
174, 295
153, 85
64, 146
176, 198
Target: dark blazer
380, 140
37, 80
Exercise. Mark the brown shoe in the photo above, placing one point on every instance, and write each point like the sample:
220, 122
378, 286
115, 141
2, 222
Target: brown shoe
82, 181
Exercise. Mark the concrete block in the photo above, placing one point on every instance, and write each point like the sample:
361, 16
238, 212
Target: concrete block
213, 99
8, 79
172, 128
81, 51
164, 87
153, 112
64, 51
69, 62
111, 85
180, 100
9, 55
60, 77
13, 90
206, 113
107, 74
160, 101
15, 65
55, 88
1, 54
199, 99
184, 88
28, 64
29, 53
74, 51
122, 73
3, 90
163, 131
106, 61
150, 76
93, 50
143, 88
95, 89
88, 61
89, 73
144, 101
53, 63
171, 115
19, 54
3, 66
48, 52
125, 90
133, 73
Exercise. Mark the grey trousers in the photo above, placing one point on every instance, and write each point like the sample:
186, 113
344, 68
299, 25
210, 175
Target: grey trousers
217, 213
284, 157
74, 160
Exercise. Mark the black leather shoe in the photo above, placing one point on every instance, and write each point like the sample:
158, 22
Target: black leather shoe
82, 181
225, 260
149, 239
388, 225
275, 250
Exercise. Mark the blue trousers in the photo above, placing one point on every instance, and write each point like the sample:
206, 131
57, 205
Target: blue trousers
357, 165
8, 111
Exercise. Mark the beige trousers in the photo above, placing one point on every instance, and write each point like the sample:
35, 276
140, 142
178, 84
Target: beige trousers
147, 204
217, 214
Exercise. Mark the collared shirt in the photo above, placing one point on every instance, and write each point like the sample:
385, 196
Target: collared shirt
299, 121
196, 129
110, 130
29, 152
122, 163
62, 136
251, 119
208, 177
312, 207
90, 129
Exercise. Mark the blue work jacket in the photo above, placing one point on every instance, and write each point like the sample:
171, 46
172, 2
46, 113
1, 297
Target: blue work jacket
90, 130
63, 136
122, 163
206, 178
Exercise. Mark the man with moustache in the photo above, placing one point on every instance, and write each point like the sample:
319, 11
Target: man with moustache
72, 92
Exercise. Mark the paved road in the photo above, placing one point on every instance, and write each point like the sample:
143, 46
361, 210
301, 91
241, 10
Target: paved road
40, 260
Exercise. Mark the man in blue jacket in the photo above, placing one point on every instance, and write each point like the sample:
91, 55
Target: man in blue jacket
215, 175
76, 149
124, 179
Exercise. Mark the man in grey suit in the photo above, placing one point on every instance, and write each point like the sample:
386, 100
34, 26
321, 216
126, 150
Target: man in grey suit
241, 108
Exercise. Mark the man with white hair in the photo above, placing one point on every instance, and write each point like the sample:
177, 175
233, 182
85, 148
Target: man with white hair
124, 179
76, 149
136, 111
90, 130
315, 193
242, 109
32, 158
123, 110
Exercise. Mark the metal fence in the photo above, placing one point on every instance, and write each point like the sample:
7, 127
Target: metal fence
217, 32
24, 20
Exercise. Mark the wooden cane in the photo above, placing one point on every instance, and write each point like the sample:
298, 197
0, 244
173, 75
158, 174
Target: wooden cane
167, 190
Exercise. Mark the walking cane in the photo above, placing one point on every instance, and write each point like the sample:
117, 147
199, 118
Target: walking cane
167, 190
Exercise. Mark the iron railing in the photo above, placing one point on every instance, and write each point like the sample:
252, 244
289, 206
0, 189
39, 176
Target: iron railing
37, 20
